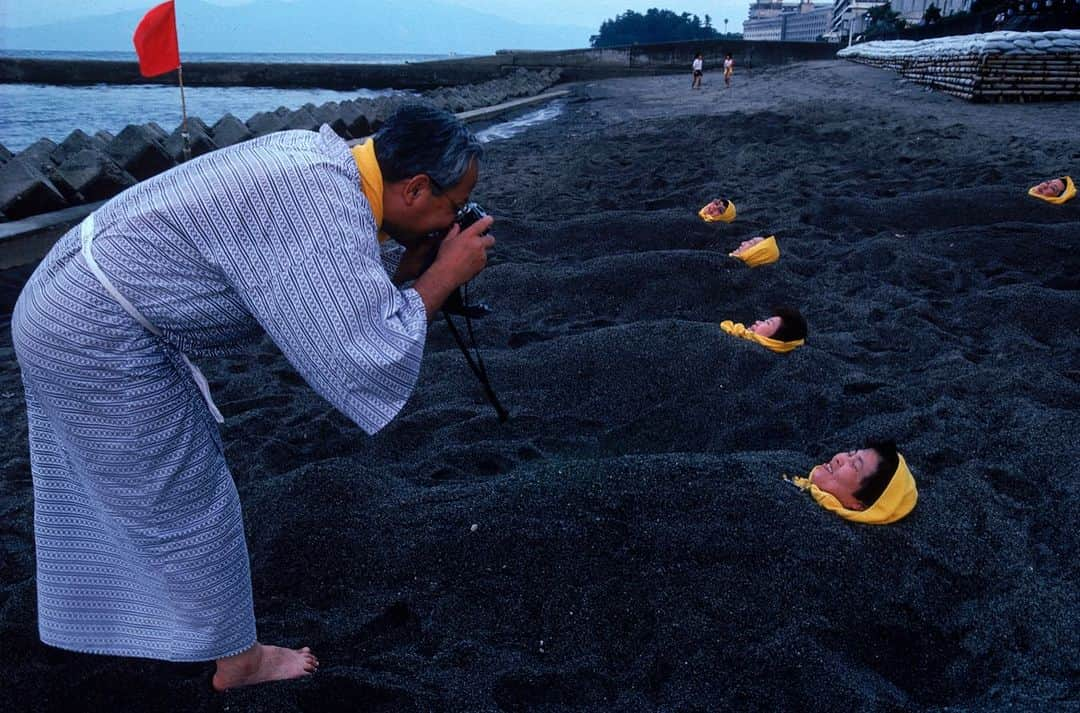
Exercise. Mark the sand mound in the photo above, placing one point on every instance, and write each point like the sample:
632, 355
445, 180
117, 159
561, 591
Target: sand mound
625, 541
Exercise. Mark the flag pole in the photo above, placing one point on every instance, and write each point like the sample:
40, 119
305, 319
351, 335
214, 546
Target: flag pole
183, 113
157, 45
183, 104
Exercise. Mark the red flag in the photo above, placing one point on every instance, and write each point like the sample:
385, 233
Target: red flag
155, 41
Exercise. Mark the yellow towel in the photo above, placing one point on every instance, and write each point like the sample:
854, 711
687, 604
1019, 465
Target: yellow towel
775, 345
726, 217
1068, 194
371, 181
897, 501
765, 252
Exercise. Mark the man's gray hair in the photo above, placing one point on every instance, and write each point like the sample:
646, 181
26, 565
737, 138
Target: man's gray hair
418, 138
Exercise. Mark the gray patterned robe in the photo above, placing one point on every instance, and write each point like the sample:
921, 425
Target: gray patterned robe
139, 537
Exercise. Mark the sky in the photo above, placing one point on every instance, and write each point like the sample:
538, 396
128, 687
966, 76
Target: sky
587, 13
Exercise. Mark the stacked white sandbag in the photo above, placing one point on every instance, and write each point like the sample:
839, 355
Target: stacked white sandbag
1004, 65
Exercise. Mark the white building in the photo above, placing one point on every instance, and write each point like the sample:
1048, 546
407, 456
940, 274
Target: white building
763, 29
913, 10
802, 22
809, 25
848, 16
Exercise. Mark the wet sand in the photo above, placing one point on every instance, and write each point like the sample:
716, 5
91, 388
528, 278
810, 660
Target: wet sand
625, 542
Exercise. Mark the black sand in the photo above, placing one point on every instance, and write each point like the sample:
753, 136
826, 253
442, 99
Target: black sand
625, 542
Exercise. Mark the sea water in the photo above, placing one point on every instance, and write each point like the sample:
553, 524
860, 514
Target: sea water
29, 112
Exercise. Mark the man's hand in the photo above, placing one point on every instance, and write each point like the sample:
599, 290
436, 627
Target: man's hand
417, 258
462, 255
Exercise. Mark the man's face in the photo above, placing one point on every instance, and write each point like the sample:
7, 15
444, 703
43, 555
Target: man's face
1052, 188
429, 211
766, 327
843, 475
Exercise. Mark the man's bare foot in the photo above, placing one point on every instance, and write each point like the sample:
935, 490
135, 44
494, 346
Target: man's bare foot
263, 663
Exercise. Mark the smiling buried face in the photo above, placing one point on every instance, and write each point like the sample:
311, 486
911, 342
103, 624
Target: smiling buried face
843, 475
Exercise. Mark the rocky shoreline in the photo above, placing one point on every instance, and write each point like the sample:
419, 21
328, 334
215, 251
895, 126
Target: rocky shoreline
85, 168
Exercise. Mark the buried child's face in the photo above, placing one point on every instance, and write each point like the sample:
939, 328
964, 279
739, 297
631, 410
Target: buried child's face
1052, 188
843, 475
766, 327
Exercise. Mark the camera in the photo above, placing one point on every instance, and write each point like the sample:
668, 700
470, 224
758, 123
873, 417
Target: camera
469, 214
455, 303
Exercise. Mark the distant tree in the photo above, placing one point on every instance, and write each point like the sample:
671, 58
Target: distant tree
932, 15
883, 22
655, 25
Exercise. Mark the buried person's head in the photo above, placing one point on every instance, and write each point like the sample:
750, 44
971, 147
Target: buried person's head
430, 163
786, 325
720, 209
1052, 188
1056, 191
757, 251
857, 478
746, 245
873, 485
716, 207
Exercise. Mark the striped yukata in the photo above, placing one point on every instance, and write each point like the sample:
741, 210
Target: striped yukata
139, 537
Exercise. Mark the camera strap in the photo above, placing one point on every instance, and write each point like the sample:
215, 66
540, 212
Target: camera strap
477, 365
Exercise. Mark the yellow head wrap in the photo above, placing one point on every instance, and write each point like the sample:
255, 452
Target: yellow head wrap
1067, 194
897, 501
763, 253
371, 181
771, 344
727, 216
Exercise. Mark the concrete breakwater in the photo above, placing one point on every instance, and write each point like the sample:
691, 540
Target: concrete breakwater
419, 76
575, 64
82, 169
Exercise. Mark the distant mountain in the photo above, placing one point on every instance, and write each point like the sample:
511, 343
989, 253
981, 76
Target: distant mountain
364, 26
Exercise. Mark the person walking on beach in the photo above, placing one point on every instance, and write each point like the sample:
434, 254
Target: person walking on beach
139, 536
698, 70
729, 69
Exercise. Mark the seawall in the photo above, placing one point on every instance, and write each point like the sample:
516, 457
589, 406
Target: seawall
577, 64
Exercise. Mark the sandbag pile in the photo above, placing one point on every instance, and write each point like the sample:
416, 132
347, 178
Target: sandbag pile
83, 169
995, 66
